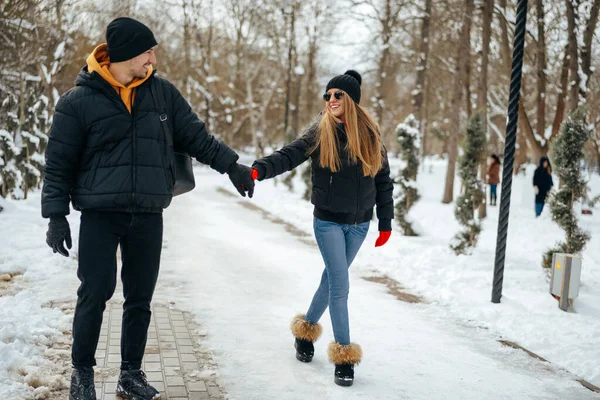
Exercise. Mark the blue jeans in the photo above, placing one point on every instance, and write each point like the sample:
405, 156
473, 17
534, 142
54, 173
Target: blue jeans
538, 209
339, 244
493, 188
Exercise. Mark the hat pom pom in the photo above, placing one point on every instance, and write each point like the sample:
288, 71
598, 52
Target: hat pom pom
355, 75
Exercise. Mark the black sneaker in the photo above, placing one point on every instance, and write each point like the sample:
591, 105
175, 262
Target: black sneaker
82, 384
305, 350
133, 385
344, 374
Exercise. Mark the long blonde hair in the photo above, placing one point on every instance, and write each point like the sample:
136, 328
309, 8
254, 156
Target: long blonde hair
364, 139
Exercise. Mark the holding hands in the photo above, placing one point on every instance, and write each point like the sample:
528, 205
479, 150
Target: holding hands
241, 177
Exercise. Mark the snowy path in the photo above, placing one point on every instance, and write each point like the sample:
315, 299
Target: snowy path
245, 278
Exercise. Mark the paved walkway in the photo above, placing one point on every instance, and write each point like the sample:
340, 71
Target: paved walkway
175, 362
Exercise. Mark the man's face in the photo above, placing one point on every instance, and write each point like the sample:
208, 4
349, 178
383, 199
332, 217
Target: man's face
139, 65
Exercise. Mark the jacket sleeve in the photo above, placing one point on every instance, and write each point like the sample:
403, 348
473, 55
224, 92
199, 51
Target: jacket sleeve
190, 135
535, 178
288, 157
384, 197
65, 142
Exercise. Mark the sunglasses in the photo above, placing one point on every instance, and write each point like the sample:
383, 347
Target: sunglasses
338, 95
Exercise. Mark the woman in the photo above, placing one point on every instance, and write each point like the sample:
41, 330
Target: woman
350, 175
494, 178
542, 183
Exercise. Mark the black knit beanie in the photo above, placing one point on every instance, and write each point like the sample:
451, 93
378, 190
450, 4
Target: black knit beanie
128, 38
349, 83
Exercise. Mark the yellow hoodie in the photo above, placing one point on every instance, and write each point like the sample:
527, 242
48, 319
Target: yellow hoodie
99, 61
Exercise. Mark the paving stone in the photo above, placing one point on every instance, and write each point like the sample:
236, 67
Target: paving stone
171, 362
170, 353
152, 358
188, 358
176, 391
186, 350
198, 386
175, 381
154, 376
198, 396
170, 358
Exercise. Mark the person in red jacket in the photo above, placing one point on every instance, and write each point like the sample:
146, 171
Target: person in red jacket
494, 178
350, 175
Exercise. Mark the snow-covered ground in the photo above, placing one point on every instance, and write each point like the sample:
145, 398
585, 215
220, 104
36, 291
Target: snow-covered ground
245, 277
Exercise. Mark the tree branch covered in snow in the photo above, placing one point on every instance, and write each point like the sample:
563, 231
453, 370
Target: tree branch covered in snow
472, 194
407, 134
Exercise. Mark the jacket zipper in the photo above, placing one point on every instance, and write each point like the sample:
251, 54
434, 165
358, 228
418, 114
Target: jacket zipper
330, 187
133, 158
357, 193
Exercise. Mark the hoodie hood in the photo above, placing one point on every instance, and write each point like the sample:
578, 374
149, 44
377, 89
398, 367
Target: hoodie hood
99, 62
542, 161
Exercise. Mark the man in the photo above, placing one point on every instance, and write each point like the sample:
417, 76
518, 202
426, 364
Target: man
109, 155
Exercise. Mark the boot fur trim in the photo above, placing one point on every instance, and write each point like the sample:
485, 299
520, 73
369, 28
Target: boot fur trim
340, 354
303, 329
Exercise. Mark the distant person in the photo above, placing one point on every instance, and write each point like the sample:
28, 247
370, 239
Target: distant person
350, 175
542, 183
494, 177
110, 155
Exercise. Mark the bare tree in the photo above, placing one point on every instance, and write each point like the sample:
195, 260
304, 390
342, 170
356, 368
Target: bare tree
457, 93
488, 13
422, 74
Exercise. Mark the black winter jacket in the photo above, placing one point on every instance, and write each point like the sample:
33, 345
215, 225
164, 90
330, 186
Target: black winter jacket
346, 196
543, 180
101, 157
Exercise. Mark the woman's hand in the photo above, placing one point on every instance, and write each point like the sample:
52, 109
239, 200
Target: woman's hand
384, 236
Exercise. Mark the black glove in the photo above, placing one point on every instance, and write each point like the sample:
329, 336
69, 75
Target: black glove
241, 177
59, 231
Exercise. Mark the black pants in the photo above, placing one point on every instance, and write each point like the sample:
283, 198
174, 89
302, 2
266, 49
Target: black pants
140, 238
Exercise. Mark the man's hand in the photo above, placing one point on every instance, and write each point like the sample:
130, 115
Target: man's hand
536, 190
241, 177
59, 232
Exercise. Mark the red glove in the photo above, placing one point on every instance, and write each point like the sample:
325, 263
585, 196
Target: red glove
254, 174
383, 238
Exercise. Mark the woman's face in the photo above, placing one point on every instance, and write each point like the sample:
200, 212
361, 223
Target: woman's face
335, 105
545, 164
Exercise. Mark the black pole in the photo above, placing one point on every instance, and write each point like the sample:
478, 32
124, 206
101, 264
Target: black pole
509, 148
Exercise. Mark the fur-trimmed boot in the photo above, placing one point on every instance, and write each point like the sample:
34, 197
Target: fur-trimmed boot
344, 358
306, 334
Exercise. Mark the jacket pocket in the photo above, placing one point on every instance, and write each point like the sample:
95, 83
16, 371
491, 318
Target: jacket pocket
89, 181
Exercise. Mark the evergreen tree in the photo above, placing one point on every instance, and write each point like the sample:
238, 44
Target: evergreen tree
407, 134
473, 193
30, 161
566, 154
10, 175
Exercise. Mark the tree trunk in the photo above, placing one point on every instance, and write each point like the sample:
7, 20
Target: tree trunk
386, 36
422, 74
588, 36
297, 92
560, 103
574, 78
488, 13
541, 75
462, 48
289, 70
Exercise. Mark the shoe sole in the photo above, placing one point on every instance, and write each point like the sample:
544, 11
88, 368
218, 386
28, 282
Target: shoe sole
343, 382
303, 358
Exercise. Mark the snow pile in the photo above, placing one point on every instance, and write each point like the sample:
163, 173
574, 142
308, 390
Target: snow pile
29, 325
